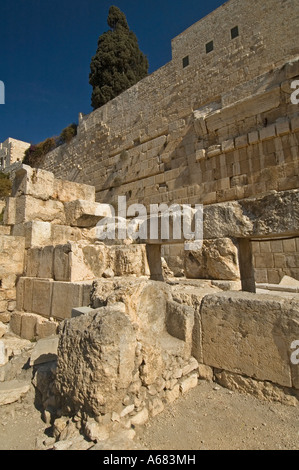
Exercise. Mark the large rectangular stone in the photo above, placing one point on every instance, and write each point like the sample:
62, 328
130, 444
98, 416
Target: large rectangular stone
33, 182
12, 251
250, 335
61, 234
39, 262
86, 214
30, 209
36, 233
66, 296
41, 297
67, 191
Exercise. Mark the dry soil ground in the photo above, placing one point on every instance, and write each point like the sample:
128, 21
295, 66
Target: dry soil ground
209, 417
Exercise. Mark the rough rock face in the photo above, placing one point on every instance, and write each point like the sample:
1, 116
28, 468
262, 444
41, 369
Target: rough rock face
218, 259
125, 349
96, 359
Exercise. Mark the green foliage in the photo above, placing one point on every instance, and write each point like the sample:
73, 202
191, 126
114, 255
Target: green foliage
118, 63
68, 133
34, 156
5, 185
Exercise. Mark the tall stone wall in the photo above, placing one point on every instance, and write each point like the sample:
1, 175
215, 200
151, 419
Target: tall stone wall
220, 129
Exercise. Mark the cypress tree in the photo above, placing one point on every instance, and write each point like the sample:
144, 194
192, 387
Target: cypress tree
118, 63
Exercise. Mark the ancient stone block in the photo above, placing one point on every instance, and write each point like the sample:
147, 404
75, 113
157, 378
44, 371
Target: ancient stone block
65, 297
12, 251
103, 366
39, 262
67, 191
41, 297
218, 259
30, 209
9, 216
36, 233
250, 335
180, 321
33, 182
82, 213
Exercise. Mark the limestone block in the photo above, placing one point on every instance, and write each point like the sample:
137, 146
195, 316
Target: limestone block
250, 335
36, 233
126, 260
4, 230
28, 326
268, 132
61, 234
276, 213
41, 297
9, 216
86, 214
45, 350
189, 383
99, 350
74, 262
218, 260
45, 328
225, 220
39, 262
228, 146
12, 251
241, 141
180, 321
33, 182
282, 127
200, 155
67, 191
30, 209
66, 296
15, 323
172, 395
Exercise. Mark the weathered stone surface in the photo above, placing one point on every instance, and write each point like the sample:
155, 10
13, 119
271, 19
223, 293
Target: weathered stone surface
205, 372
30, 209
218, 259
250, 335
66, 296
12, 251
36, 233
3, 329
140, 418
96, 432
9, 216
276, 213
180, 321
67, 191
45, 350
189, 383
103, 367
33, 182
172, 395
12, 391
39, 262
82, 213
262, 390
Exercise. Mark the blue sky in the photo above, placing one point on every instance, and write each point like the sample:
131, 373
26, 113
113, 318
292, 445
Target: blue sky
46, 48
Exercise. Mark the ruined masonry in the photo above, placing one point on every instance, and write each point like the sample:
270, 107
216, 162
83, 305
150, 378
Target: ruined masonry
139, 323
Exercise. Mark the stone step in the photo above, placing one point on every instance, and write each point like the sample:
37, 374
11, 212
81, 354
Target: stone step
12, 391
